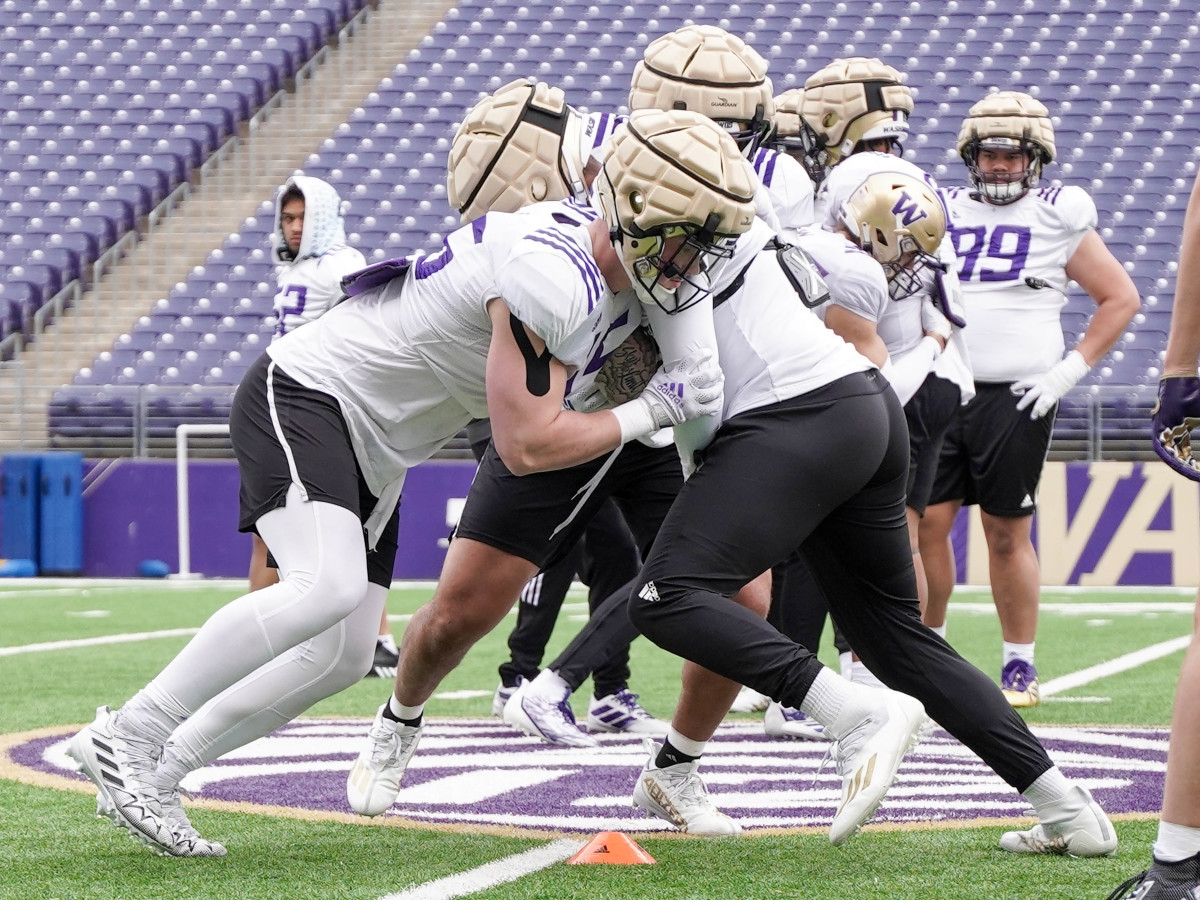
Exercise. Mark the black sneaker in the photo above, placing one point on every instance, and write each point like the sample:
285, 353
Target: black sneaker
1163, 881
385, 662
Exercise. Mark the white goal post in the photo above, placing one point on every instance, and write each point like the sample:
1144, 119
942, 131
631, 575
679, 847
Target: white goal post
181, 491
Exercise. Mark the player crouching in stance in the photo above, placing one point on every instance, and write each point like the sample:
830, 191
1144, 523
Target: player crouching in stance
328, 421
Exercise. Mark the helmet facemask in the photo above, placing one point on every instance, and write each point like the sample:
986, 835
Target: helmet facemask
672, 267
749, 135
1002, 188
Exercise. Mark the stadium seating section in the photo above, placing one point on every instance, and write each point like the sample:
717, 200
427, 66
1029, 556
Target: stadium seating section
106, 106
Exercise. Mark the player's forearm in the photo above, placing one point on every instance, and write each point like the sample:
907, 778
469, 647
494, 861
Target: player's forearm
1113, 315
569, 439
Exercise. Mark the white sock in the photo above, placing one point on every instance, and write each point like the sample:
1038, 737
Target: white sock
1017, 651
388, 643
828, 695
1176, 843
400, 711
860, 674
549, 686
151, 713
685, 744
939, 630
1049, 796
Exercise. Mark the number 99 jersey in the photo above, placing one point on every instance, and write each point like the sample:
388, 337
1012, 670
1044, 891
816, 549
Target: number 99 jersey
1012, 264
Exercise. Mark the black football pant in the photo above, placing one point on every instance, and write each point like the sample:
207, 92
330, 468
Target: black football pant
824, 472
605, 560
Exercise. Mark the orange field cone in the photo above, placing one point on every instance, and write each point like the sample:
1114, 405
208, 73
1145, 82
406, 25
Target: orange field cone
614, 848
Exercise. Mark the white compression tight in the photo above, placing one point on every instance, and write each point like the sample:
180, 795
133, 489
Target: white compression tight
323, 572
276, 693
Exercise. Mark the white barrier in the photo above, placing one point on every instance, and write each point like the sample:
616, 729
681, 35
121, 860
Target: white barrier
181, 491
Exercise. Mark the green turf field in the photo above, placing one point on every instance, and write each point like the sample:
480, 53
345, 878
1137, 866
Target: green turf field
52, 847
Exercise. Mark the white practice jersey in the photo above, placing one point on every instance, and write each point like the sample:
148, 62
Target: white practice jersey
309, 281
1012, 265
843, 180
406, 361
310, 287
788, 187
771, 346
856, 283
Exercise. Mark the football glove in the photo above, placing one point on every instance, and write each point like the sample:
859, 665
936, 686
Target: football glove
934, 321
1175, 414
685, 389
1043, 392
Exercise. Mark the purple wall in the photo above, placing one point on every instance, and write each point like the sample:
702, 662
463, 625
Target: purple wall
1097, 523
130, 516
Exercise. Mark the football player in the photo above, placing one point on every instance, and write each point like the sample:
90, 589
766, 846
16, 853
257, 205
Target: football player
850, 119
326, 424
311, 255
519, 145
706, 69
1018, 247
1175, 861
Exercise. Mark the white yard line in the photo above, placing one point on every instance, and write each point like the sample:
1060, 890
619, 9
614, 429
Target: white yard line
510, 868
97, 641
1113, 666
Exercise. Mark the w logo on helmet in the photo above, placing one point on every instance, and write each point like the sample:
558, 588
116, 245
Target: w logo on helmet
908, 210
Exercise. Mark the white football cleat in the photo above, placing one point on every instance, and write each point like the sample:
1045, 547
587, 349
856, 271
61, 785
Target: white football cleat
122, 768
677, 794
503, 692
749, 700
553, 722
188, 841
374, 779
621, 713
781, 721
874, 733
1087, 832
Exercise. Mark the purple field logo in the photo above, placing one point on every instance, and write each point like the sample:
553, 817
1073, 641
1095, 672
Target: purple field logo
480, 773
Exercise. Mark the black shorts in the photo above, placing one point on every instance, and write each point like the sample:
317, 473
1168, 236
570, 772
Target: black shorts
929, 414
540, 516
993, 454
311, 448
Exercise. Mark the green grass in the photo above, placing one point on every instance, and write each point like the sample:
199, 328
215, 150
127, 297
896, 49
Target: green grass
51, 847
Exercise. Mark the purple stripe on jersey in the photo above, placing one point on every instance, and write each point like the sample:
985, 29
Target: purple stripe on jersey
764, 166
428, 265
571, 212
603, 129
477, 228
584, 263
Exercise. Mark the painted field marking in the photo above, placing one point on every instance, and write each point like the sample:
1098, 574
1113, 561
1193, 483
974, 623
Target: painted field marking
97, 641
1114, 666
510, 868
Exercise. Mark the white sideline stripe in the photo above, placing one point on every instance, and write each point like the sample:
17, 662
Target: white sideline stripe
97, 641
510, 868
1114, 666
